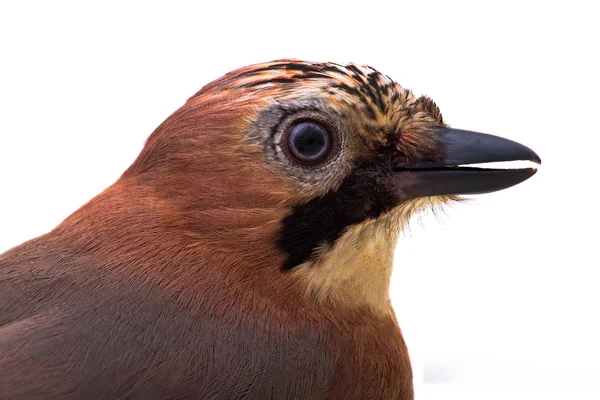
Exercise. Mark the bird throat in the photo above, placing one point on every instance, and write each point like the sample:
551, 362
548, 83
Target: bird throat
361, 198
355, 270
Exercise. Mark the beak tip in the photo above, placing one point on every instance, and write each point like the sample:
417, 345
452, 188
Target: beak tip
533, 171
532, 156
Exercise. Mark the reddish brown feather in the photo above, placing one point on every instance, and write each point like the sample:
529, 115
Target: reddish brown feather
167, 285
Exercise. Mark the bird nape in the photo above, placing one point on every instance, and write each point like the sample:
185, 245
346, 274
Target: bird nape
247, 252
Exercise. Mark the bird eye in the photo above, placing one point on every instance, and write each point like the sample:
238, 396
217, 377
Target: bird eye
308, 142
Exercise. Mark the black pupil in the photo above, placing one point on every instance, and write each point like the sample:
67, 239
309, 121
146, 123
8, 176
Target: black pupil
309, 141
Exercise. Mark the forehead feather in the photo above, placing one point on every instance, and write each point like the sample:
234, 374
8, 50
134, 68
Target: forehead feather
378, 109
373, 100
352, 83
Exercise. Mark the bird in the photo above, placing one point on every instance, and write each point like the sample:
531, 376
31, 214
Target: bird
247, 251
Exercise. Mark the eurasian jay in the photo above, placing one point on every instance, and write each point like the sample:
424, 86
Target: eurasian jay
247, 252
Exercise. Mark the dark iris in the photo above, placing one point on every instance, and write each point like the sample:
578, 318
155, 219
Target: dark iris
308, 142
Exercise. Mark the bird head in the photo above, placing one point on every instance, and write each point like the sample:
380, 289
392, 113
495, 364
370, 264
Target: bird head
311, 170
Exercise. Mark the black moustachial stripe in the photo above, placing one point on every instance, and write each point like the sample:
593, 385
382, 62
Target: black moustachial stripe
363, 195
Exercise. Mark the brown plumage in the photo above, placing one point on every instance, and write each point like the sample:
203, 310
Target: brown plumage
221, 265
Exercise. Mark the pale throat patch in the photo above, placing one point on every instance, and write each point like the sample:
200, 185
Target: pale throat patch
356, 269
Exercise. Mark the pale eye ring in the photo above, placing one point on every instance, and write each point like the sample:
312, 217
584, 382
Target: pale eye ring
308, 142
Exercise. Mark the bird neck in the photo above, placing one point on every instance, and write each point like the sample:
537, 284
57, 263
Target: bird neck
355, 271
134, 226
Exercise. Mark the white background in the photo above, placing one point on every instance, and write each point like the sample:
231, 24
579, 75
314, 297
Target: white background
498, 298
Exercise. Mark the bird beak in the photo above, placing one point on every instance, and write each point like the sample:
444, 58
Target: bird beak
448, 177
